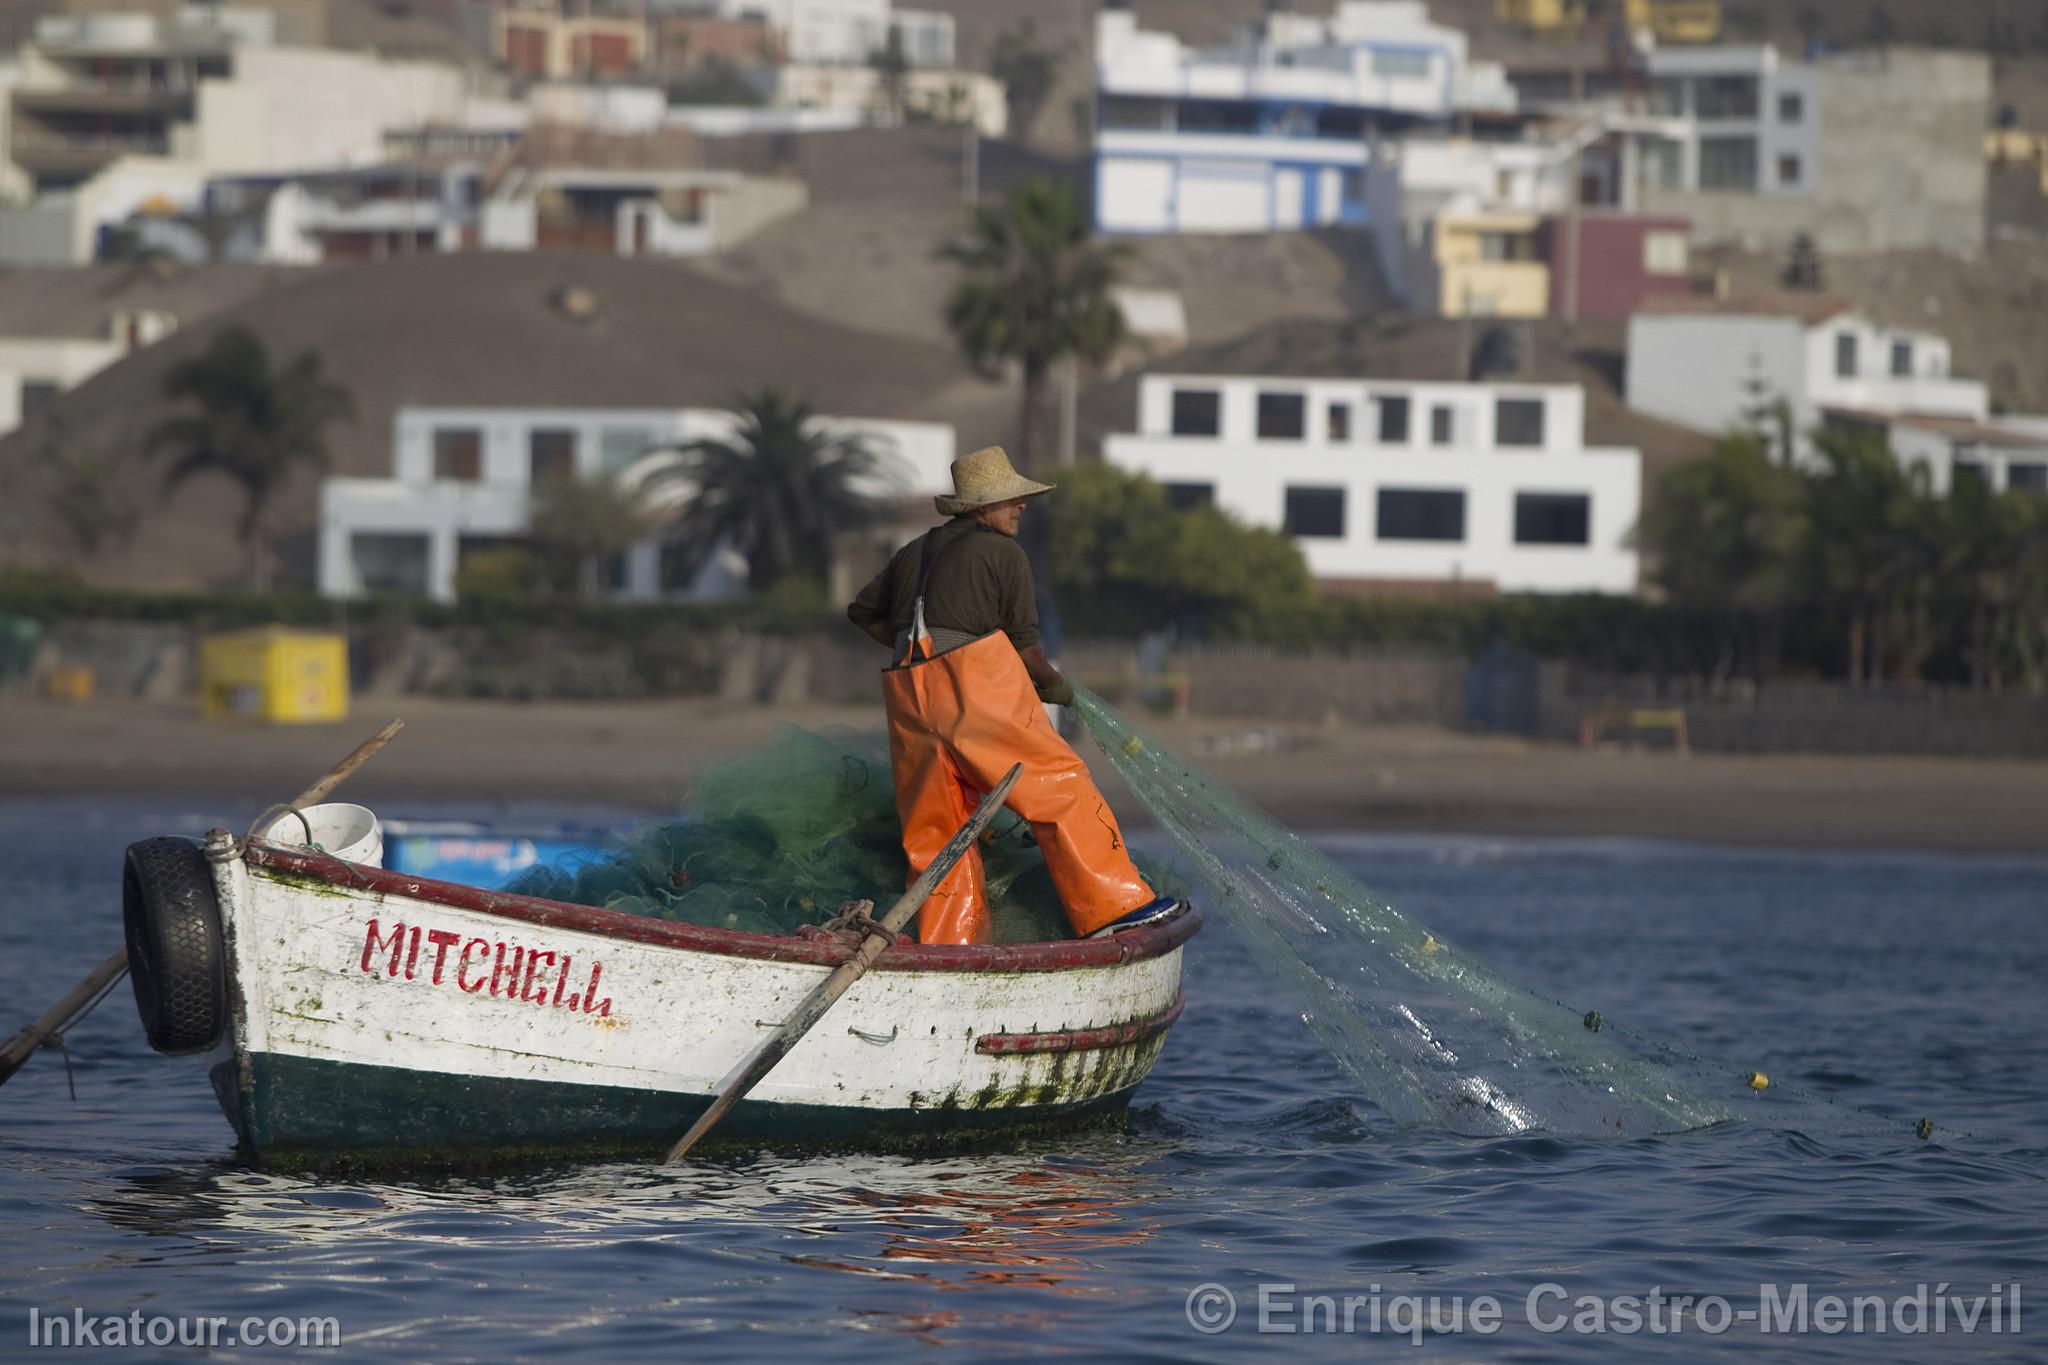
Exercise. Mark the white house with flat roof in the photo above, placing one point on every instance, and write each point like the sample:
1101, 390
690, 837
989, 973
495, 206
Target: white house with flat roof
466, 480
1708, 364
1274, 131
1384, 483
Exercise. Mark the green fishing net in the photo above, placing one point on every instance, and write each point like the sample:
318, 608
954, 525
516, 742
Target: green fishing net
1431, 1034
782, 836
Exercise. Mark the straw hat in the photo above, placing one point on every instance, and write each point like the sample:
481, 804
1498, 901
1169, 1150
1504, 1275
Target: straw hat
985, 477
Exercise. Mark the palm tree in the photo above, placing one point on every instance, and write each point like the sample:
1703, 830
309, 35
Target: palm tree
779, 490
255, 424
1730, 533
1034, 289
1875, 546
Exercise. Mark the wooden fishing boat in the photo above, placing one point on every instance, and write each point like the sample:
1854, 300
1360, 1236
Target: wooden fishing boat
359, 1016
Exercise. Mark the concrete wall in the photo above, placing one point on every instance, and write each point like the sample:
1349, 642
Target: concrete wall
42, 233
1394, 687
288, 109
1812, 717
63, 361
744, 209
1692, 369
1383, 687
1901, 163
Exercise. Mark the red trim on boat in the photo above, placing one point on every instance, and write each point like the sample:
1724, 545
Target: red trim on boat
1133, 945
1084, 1039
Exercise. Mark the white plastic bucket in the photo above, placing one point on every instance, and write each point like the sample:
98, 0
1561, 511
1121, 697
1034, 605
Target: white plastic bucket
349, 832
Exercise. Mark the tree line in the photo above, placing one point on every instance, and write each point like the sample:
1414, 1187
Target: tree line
1854, 544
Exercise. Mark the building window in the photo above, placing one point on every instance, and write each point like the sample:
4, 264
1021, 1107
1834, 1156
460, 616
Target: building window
1788, 170
1667, 96
37, 394
1507, 246
1791, 107
1393, 419
1186, 497
1340, 422
1552, 518
1197, 412
2029, 476
1218, 116
1317, 512
458, 454
1421, 514
1666, 253
1518, 422
550, 456
1845, 355
389, 563
618, 447
1282, 416
1399, 62
1727, 97
1728, 163
1967, 471
1902, 359
1442, 424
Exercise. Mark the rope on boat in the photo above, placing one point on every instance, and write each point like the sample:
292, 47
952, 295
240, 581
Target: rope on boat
55, 1039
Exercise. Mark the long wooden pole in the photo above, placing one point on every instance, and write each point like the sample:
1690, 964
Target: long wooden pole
25, 1043
53, 1020
777, 1045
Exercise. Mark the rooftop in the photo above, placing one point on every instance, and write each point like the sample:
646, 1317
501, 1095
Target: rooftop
1954, 428
53, 301
479, 329
1811, 309
1418, 349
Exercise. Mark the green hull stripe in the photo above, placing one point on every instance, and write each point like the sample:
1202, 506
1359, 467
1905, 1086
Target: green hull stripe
299, 1112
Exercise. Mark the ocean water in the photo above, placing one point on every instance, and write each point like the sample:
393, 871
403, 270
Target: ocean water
1250, 1174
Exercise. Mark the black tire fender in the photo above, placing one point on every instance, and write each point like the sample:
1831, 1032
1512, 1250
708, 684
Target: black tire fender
177, 957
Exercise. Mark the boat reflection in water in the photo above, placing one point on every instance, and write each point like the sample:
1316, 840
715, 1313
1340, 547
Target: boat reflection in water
988, 1222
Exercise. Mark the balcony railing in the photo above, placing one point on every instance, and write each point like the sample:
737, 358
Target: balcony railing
48, 154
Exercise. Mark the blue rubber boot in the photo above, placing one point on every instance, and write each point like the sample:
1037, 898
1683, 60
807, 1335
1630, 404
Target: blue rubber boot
1151, 912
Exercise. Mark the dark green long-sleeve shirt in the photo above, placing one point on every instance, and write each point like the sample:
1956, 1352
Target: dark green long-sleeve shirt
981, 582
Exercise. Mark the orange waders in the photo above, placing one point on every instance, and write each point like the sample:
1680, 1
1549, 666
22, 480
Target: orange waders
956, 724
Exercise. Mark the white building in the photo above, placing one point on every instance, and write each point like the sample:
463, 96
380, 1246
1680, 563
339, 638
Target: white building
1708, 364
1400, 481
467, 479
1274, 132
1862, 151
848, 32
2006, 454
35, 369
1745, 121
109, 111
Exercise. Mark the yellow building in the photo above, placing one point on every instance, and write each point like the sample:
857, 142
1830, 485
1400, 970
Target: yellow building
1677, 21
1537, 14
1672, 21
1486, 265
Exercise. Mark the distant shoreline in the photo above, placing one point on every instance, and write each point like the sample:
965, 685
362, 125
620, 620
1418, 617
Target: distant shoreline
1339, 779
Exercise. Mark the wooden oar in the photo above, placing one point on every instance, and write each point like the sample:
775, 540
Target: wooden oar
777, 1045
58, 1016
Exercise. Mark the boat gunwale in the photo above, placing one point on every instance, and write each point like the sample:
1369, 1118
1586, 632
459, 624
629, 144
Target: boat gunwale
1132, 945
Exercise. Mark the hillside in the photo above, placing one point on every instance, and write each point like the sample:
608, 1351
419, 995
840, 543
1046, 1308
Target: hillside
476, 329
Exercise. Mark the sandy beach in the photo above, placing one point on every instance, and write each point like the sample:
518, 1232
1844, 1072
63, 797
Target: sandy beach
641, 755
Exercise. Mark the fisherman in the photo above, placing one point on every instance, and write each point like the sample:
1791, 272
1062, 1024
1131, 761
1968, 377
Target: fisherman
963, 696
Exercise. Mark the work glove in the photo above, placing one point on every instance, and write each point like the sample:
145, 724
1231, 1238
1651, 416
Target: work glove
1060, 693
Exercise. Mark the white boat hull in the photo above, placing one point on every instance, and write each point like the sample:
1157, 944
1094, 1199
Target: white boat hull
374, 1016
